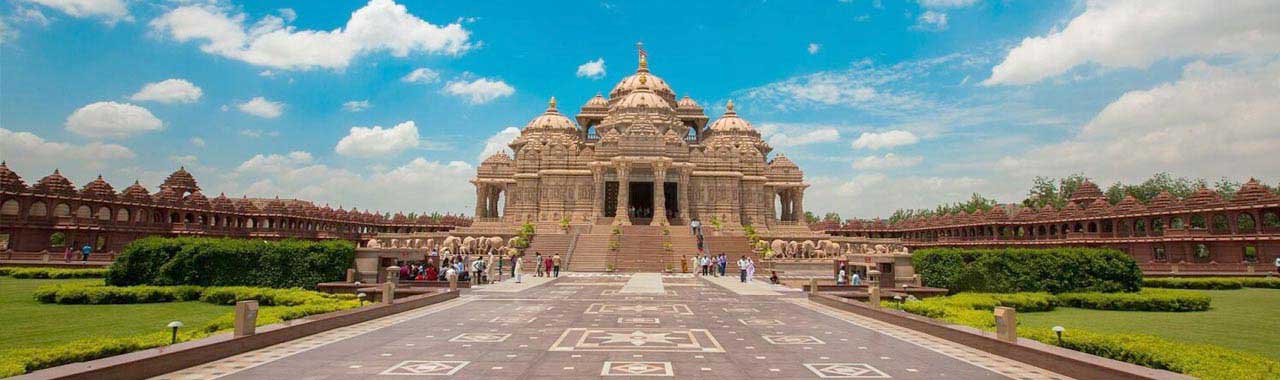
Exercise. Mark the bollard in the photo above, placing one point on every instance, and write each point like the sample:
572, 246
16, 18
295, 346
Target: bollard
1006, 324
393, 274
388, 292
874, 296
351, 275
453, 281
246, 320
813, 286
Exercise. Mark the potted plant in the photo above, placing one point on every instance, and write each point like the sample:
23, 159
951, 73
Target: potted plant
564, 224
716, 224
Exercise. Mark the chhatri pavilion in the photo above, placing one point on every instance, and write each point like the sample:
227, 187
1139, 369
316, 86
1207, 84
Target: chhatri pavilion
640, 156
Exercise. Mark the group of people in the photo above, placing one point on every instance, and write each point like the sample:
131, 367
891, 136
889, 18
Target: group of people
716, 266
843, 274
547, 266
84, 252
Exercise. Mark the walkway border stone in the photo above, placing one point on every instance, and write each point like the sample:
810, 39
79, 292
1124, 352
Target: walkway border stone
1060, 360
158, 361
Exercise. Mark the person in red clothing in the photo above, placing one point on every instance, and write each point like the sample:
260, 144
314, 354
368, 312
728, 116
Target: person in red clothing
546, 263
432, 274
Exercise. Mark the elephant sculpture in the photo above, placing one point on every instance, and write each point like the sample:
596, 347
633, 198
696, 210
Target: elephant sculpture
793, 249
881, 249
829, 247
431, 244
450, 244
779, 247
495, 243
807, 248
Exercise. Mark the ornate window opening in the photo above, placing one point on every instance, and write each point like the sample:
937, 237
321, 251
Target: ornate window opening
1250, 254
1158, 254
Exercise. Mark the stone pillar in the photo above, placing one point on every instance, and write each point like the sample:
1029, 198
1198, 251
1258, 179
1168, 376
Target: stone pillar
798, 198
351, 275
246, 318
623, 217
659, 195
494, 193
682, 197
388, 293
873, 296
785, 200
1006, 324
480, 202
597, 197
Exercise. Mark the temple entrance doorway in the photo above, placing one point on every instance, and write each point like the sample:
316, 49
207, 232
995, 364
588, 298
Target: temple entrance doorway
640, 200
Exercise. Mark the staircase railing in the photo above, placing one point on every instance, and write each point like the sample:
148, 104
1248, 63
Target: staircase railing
568, 255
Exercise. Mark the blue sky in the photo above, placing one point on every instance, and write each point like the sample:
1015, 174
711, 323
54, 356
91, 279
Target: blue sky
390, 105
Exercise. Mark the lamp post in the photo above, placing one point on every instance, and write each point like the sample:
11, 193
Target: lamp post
174, 325
361, 297
1058, 330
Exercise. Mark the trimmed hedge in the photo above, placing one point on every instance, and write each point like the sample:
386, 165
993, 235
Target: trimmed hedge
1205, 361
1212, 283
1146, 300
231, 262
53, 273
1013, 270
302, 303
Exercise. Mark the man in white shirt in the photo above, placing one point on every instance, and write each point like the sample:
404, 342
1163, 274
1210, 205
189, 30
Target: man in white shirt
742, 269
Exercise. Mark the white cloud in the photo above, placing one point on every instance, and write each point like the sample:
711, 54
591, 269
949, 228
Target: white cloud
381, 25
888, 161
878, 194
110, 11
197, 142
942, 4
789, 135
888, 139
7, 33
931, 21
288, 14
184, 160
1137, 33
169, 91
397, 188
421, 75
479, 91
498, 143
592, 69
876, 89
376, 141
256, 133
112, 120
33, 149
1216, 121
813, 48
261, 107
356, 105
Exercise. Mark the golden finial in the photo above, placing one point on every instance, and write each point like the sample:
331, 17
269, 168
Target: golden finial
644, 57
729, 106
643, 77
552, 103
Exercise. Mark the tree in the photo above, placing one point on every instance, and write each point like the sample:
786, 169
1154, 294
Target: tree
810, 218
832, 217
1050, 191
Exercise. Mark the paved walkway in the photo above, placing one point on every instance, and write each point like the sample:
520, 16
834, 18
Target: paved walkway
584, 327
644, 283
755, 287
510, 285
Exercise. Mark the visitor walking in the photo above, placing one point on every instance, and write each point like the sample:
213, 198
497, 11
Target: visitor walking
66, 255
840, 277
723, 263
516, 265
556, 265
742, 269
537, 263
684, 264
547, 263
84, 252
751, 269
856, 280
1278, 264
501, 260
478, 267
514, 260
693, 262
773, 278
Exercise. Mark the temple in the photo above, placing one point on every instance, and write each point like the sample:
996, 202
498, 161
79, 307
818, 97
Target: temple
642, 156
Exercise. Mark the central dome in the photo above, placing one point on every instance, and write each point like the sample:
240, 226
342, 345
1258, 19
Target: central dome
634, 81
642, 96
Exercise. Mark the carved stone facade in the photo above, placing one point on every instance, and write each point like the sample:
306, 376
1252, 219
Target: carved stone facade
640, 156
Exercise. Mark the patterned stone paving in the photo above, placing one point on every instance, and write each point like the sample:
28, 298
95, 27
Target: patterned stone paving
571, 329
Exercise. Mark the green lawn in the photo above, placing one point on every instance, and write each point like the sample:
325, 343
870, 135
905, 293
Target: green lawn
1246, 319
28, 323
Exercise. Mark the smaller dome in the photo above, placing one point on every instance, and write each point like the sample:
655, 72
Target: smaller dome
245, 205
296, 208
276, 206
781, 161
1087, 193
500, 158
730, 121
55, 184
181, 180
10, 181
551, 120
198, 200
99, 189
221, 203
597, 101
167, 195
136, 193
687, 102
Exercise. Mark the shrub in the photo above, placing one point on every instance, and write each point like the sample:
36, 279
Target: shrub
99, 295
54, 273
1212, 283
1146, 300
1205, 361
231, 262
1011, 270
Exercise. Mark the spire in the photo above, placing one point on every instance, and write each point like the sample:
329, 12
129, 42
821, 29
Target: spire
644, 57
552, 104
728, 107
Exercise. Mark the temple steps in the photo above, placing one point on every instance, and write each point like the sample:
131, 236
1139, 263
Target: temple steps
590, 252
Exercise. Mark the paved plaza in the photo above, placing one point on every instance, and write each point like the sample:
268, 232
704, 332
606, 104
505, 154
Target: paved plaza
588, 326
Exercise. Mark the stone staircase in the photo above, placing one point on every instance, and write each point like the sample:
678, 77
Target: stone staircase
733, 246
591, 250
642, 250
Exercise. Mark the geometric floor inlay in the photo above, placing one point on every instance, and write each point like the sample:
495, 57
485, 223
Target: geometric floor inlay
761, 322
480, 338
792, 339
608, 308
638, 320
845, 371
637, 339
636, 369
513, 319
425, 368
